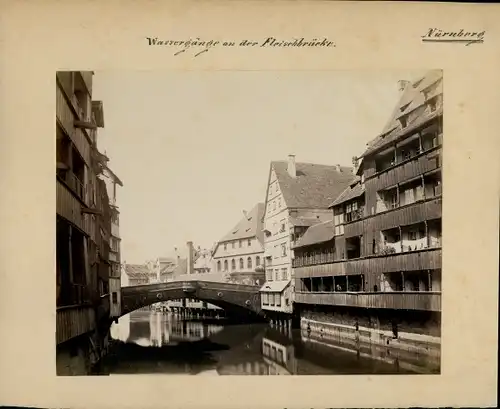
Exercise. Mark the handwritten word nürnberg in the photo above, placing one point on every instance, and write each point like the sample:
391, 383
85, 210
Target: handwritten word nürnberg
200, 46
436, 35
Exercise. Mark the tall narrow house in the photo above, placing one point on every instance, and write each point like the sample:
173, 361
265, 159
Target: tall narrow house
83, 229
239, 254
379, 262
112, 181
298, 196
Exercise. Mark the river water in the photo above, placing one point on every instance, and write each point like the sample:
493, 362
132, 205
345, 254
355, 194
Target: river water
150, 342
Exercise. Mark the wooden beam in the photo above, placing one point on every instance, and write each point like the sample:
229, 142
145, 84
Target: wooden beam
84, 125
89, 210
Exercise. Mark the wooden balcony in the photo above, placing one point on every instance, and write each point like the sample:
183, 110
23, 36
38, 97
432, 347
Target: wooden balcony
69, 207
409, 169
73, 321
424, 301
66, 115
428, 259
428, 209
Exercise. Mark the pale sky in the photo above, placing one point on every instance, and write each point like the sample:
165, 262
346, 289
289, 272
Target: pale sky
193, 148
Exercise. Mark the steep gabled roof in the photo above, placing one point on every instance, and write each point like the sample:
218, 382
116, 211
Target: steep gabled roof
351, 192
249, 226
314, 187
319, 233
412, 98
136, 270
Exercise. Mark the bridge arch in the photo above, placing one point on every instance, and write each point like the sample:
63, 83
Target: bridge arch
235, 299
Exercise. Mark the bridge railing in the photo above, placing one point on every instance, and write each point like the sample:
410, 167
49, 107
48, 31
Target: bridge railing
189, 284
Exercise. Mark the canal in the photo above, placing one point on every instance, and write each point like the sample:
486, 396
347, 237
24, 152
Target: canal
154, 342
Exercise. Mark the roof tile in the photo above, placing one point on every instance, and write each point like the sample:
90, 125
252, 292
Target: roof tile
314, 187
318, 233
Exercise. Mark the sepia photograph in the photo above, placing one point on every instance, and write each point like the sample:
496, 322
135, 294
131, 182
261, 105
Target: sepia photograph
248, 222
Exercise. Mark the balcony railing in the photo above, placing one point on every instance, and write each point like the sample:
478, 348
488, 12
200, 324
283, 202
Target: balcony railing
424, 301
74, 183
311, 260
428, 259
427, 209
409, 168
66, 115
73, 321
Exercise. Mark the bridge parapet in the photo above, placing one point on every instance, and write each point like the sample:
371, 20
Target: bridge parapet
224, 295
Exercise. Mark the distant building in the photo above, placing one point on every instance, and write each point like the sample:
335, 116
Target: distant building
139, 274
202, 261
239, 254
298, 196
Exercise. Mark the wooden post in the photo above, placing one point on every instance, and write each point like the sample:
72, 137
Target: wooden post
420, 141
400, 238
397, 195
423, 186
429, 279
347, 283
403, 280
70, 234
322, 285
426, 234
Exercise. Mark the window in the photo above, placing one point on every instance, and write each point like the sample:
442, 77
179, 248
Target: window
241, 244
225, 265
279, 203
282, 228
271, 298
249, 263
218, 265
432, 104
249, 242
233, 264
277, 298
115, 298
277, 274
241, 264
403, 121
265, 299
225, 246
413, 235
284, 275
274, 204
257, 261
350, 211
283, 250
234, 244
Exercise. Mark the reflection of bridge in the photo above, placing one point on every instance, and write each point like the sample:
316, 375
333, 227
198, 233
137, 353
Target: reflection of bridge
236, 299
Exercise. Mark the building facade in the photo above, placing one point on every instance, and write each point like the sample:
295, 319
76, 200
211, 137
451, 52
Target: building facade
83, 228
379, 259
240, 253
298, 196
139, 274
112, 181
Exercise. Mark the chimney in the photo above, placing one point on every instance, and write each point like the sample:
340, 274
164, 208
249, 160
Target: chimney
402, 85
190, 258
292, 171
337, 167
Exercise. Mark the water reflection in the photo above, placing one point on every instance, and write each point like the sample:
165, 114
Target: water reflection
157, 342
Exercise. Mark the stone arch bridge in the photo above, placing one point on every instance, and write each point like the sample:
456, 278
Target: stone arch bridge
235, 299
